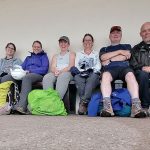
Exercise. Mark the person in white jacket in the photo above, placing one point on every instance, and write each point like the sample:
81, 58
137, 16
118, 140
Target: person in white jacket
87, 62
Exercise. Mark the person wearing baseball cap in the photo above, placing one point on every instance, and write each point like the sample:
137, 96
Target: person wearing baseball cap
115, 28
64, 38
61, 63
115, 62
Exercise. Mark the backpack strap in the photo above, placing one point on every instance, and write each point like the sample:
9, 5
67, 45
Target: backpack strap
13, 95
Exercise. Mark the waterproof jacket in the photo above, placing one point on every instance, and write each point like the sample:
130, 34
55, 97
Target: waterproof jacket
36, 63
140, 56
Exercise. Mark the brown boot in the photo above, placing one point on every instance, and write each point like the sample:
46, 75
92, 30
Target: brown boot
146, 111
82, 108
107, 110
137, 111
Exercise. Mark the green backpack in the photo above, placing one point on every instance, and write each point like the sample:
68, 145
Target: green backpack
46, 102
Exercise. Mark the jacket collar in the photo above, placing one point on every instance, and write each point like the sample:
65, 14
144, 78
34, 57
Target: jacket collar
143, 45
41, 53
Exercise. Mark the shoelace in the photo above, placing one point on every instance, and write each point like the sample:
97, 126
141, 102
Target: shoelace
137, 105
107, 104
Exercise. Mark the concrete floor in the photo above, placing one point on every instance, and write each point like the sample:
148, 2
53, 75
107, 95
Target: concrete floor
18, 132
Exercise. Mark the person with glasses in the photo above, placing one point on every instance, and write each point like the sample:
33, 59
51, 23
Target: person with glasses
9, 61
36, 65
88, 66
115, 62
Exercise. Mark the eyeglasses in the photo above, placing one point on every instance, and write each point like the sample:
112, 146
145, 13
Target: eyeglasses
10, 48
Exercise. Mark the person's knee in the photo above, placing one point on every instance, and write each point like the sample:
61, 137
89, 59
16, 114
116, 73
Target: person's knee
77, 78
106, 76
129, 76
26, 78
65, 76
46, 77
49, 80
93, 79
7, 78
130, 79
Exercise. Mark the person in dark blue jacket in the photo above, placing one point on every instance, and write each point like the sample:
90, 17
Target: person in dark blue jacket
36, 65
114, 59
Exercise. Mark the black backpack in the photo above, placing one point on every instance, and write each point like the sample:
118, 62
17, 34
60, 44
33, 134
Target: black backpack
9, 97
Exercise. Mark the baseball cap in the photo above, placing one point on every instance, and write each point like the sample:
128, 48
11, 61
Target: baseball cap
65, 38
113, 28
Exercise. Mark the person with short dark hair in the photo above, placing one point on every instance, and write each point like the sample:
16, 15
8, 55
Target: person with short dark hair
115, 62
88, 76
140, 62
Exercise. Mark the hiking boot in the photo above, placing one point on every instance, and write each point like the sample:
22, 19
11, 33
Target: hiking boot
20, 110
146, 111
137, 111
82, 108
107, 110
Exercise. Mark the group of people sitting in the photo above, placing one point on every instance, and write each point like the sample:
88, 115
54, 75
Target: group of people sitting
88, 68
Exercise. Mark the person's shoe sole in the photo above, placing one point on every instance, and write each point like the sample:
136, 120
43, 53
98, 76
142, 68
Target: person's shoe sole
147, 113
139, 115
20, 112
105, 114
81, 113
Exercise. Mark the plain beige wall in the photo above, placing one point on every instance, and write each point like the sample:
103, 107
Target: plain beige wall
23, 21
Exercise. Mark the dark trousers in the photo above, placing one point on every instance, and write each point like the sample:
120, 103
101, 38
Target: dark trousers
86, 85
143, 81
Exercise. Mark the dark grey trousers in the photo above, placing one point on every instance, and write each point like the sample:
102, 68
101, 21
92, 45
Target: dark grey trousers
85, 86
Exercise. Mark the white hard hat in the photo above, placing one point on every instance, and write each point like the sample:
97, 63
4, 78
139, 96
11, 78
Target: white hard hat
17, 72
